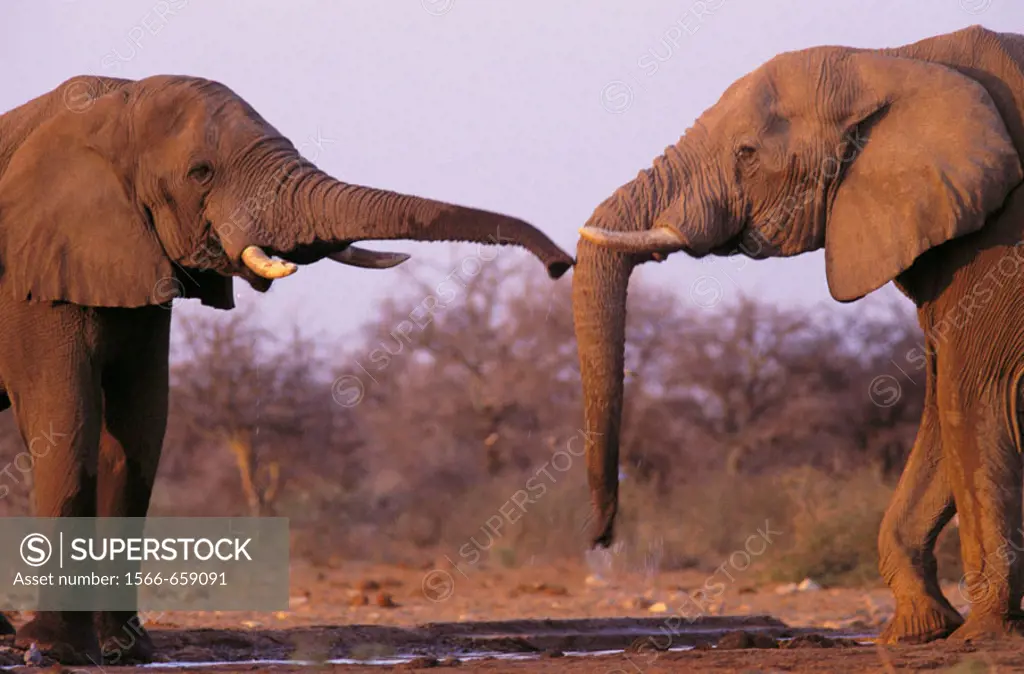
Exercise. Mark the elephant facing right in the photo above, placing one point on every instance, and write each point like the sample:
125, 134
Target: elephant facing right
905, 165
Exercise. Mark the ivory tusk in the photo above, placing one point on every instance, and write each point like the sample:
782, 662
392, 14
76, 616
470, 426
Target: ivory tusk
264, 266
657, 240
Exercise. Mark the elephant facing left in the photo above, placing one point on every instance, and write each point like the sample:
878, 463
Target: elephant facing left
117, 196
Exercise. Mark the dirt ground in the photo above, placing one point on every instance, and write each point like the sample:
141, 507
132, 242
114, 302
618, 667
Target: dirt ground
540, 619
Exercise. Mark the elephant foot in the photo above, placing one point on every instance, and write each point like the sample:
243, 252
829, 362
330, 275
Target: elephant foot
69, 642
981, 626
916, 622
123, 639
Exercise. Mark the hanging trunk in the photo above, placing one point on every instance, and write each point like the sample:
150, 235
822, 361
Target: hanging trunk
599, 313
600, 282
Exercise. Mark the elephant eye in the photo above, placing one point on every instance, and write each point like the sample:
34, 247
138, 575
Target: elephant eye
746, 153
201, 173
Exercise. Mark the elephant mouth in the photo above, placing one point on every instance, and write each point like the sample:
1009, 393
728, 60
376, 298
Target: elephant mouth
255, 281
311, 252
731, 246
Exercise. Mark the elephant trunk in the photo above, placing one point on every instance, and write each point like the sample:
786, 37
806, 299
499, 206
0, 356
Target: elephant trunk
599, 288
318, 212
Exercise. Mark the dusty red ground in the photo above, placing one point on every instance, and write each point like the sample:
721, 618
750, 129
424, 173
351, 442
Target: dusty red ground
361, 611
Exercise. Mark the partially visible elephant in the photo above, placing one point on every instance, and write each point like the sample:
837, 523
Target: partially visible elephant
904, 164
117, 196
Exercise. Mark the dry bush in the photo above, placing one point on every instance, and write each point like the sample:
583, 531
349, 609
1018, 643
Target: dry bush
832, 526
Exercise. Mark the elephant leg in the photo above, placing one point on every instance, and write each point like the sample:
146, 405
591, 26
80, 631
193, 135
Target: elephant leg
985, 472
58, 408
921, 506
135, 390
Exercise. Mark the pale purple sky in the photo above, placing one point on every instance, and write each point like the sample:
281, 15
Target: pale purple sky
536, 108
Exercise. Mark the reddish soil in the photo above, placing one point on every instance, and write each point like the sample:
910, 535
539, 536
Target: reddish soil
544, 615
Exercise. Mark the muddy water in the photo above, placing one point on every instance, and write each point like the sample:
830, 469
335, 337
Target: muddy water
388, 645
399, 660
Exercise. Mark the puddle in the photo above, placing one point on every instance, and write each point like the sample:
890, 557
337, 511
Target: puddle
352, 661
466, 657
503, 640
385, 645
863, 640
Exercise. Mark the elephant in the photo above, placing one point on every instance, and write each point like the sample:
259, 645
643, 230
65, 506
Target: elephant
118, 196
904, 164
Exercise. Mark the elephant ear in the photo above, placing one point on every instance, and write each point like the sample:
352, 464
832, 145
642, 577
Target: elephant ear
69, 228
934, 159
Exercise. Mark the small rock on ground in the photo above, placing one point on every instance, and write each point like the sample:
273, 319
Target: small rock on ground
385, 600
740, 639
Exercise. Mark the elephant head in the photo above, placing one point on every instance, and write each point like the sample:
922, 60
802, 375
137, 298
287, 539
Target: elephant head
127, 193
876, 157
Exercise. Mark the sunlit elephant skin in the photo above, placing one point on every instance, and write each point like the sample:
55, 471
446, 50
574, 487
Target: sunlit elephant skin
117, 196
904, 164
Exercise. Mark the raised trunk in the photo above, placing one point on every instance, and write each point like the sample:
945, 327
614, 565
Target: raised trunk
318, 210
599, 288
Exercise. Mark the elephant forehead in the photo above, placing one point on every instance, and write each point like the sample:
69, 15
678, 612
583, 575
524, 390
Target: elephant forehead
795, 82
746, 105
796, 88
207, 110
